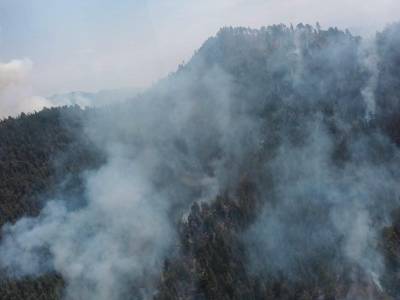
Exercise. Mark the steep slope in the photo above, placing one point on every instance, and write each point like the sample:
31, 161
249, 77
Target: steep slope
275, 150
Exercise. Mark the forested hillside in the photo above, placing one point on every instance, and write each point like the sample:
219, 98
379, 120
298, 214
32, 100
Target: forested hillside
30, 146
41, 154
267, 167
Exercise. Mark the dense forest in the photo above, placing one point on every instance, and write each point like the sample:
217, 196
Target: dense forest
268, 167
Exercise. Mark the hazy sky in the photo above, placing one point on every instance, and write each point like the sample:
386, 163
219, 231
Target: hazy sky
101, 44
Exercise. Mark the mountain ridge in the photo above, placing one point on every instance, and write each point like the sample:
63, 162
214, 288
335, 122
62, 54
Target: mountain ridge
295, 91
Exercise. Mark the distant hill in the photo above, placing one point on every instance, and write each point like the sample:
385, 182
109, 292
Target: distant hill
100, 98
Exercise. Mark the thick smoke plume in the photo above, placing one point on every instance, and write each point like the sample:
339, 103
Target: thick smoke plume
296, 111
326, 214
164, 151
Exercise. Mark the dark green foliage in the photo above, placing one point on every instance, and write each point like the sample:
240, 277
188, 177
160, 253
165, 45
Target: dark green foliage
48, 287
391, 248
41, 155
212, 261
37, 151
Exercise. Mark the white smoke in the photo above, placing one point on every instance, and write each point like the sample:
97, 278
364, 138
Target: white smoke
14, 72
121, 233
157, 165
370, 61
15, 94
189, 139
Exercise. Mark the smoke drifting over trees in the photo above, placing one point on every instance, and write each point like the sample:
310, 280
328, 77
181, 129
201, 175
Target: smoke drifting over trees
265, 168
